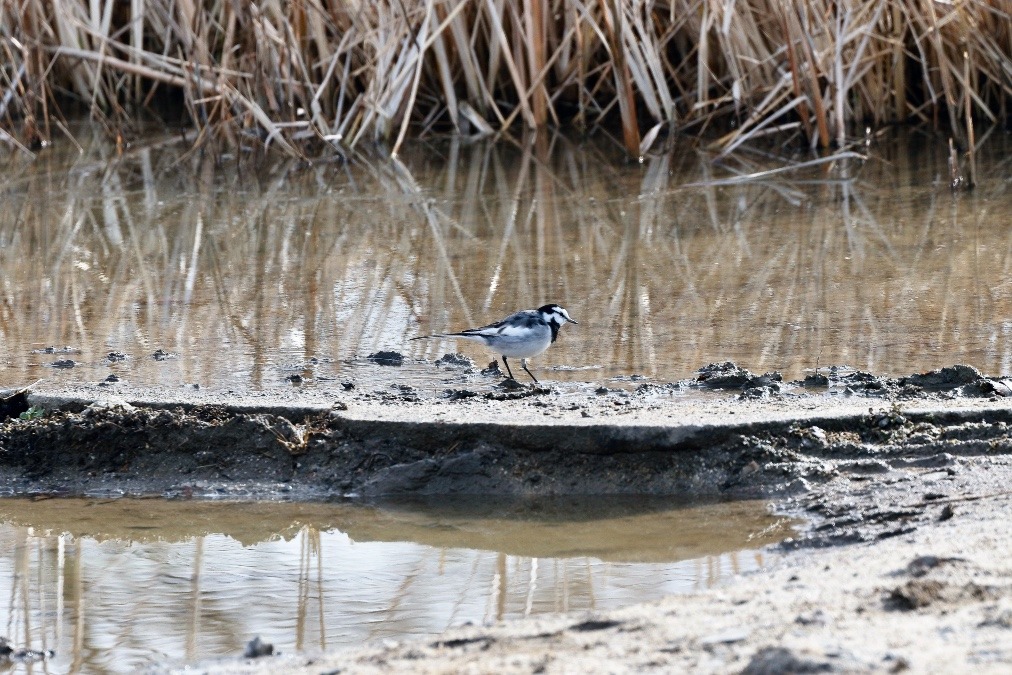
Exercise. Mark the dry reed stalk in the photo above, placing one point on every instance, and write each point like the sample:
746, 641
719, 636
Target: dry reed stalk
614, 20
971, 148
344, 70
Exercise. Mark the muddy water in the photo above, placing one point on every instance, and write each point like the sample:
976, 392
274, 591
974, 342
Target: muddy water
112, 586
245, 273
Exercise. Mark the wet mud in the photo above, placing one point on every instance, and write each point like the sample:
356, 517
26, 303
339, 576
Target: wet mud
761, 438
904, 483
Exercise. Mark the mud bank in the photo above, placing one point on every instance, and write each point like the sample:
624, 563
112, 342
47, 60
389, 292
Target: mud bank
727, 432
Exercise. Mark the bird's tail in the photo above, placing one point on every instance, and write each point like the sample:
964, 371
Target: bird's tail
447, 335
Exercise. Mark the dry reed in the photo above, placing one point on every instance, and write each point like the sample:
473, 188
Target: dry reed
344, 71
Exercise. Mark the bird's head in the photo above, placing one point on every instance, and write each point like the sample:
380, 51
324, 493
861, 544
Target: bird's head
556, 314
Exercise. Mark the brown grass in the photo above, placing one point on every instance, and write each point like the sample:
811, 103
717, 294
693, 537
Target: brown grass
346, 71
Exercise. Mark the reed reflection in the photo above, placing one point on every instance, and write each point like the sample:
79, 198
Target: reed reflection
117, 586
247, 273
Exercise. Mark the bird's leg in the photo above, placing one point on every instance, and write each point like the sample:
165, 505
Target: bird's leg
523, 363
507, 364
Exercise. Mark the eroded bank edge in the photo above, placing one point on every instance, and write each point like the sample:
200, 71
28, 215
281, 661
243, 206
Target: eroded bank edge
260, 452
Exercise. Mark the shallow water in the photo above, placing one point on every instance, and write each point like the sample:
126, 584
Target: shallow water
114, 585
247, 274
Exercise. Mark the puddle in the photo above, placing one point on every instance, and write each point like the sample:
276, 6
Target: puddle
244, 276
115, 585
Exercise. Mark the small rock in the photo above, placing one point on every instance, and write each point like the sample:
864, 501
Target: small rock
778, 660
509, 384
110, 403
256, 648
594, 624
64, 363
772, 390
458, 394
387, 358
768, 380
57, 350
915, 594
899, 663
921, 565
946, 378
727, 375
455, 361
816, 380
816, 618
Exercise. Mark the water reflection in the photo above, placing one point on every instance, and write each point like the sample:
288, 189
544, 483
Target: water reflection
247, 273
114, 585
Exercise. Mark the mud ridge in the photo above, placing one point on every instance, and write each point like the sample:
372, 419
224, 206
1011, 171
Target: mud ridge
554, 443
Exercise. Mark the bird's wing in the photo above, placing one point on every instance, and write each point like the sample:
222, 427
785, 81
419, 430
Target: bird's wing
514, 324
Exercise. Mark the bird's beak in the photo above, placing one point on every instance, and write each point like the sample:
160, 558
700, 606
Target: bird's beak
574, 321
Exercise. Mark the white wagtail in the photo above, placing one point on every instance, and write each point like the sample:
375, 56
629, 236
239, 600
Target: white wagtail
524, 334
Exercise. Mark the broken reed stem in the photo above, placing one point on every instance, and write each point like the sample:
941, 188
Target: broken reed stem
956, 180
971, 149
384, 69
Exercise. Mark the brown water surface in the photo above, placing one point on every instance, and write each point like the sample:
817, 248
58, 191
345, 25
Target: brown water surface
115, 585
247, 272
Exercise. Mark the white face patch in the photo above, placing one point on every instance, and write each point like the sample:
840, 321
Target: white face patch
559, 314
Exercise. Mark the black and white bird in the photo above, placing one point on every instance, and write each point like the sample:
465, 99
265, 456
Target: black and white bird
524, 334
